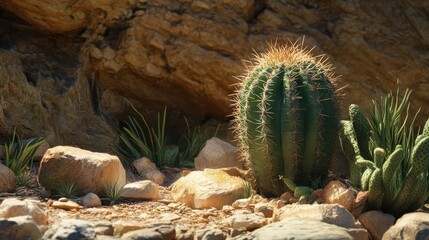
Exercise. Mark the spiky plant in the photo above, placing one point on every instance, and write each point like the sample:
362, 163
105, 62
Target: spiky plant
113, 192
286, 117
67, 190
385, 159
247, 188
24, 179
19, 154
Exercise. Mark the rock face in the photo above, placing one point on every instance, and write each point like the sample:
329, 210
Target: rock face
22, 227
410, 226
377, 223
66, 67
208, 188
13, 207
71, 229
88, 171
337, 192
217, 154
7, 179
144, 190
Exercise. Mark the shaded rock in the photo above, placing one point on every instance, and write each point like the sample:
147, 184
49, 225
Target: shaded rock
328, 213
12, 207
264, 208
22, 227
410, 226
217, 154
249, 222
104, 228
144, 190
154, 231
376, 222
210, 234
208, 188
65, 205
123, 226
88, 171
91, 200
7, 179
147, 170
71, 229
41, 150
360, 203
241, 203
301, 229
337, 192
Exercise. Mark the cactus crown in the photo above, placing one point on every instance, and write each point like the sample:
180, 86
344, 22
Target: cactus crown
286, 116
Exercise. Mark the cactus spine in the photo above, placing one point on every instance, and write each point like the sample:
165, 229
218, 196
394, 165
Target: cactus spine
286, 117
397, 179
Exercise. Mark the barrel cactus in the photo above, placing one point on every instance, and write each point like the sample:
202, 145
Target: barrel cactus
384, 158
286, 117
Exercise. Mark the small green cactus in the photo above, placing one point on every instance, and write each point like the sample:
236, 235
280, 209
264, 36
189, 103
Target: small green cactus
286, 116
396, 173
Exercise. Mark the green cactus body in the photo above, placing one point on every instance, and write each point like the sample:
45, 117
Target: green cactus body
425, 132
350, 148
365, 178
390, 175
375, 190
379, 155
362, 129
286, 119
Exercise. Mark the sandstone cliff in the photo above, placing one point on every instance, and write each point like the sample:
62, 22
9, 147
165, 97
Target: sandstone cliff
66, 67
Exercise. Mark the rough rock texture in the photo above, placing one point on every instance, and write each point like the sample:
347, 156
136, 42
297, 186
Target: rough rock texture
337, 192
13, 207
147, 170
7, 179
71, 229
410, 226
377, 223
67, 66
217, 154
208, 188
145, 190
22, 227
88, 171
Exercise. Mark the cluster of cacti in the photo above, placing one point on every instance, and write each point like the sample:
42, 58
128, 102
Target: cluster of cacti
303, 193
287, 118
384, 159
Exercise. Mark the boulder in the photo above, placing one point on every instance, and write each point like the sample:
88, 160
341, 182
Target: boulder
337, 192
7, 179
208, 188
143, 190
91, 200
153, 231
88, 171
71, 229
217, 154
377, 223
147, 170
328, 213
410, 226
22, 227
301, 229
12, 207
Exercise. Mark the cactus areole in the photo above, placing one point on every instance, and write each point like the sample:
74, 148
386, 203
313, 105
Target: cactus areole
286, 117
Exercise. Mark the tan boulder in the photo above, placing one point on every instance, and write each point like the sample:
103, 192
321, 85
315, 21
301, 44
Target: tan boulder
147, 170
360, 203
144, 190
91, 200
217, 154
12, 207
88, 171
410, 226
337, 192
7, 179
377, 223
208, 188
21, 227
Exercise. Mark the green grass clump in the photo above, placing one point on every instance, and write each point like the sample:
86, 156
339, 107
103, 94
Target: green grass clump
67, 190
19, 154
24, 179
113, 192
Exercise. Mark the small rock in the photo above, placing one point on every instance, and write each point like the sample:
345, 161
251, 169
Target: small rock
148, 171
360, 203
286, 196
376, 223
22, 227
217, 154
208, 188
241, 203
169, 217
249, 222
328, 213
227, 209
143, 190
301, 229
410, 226
264, 208
154, 231
104, 228
13, 207
91, 200
337, 192
210, 234
123, 226
7, 179
63, 199
71, 229
69, 205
